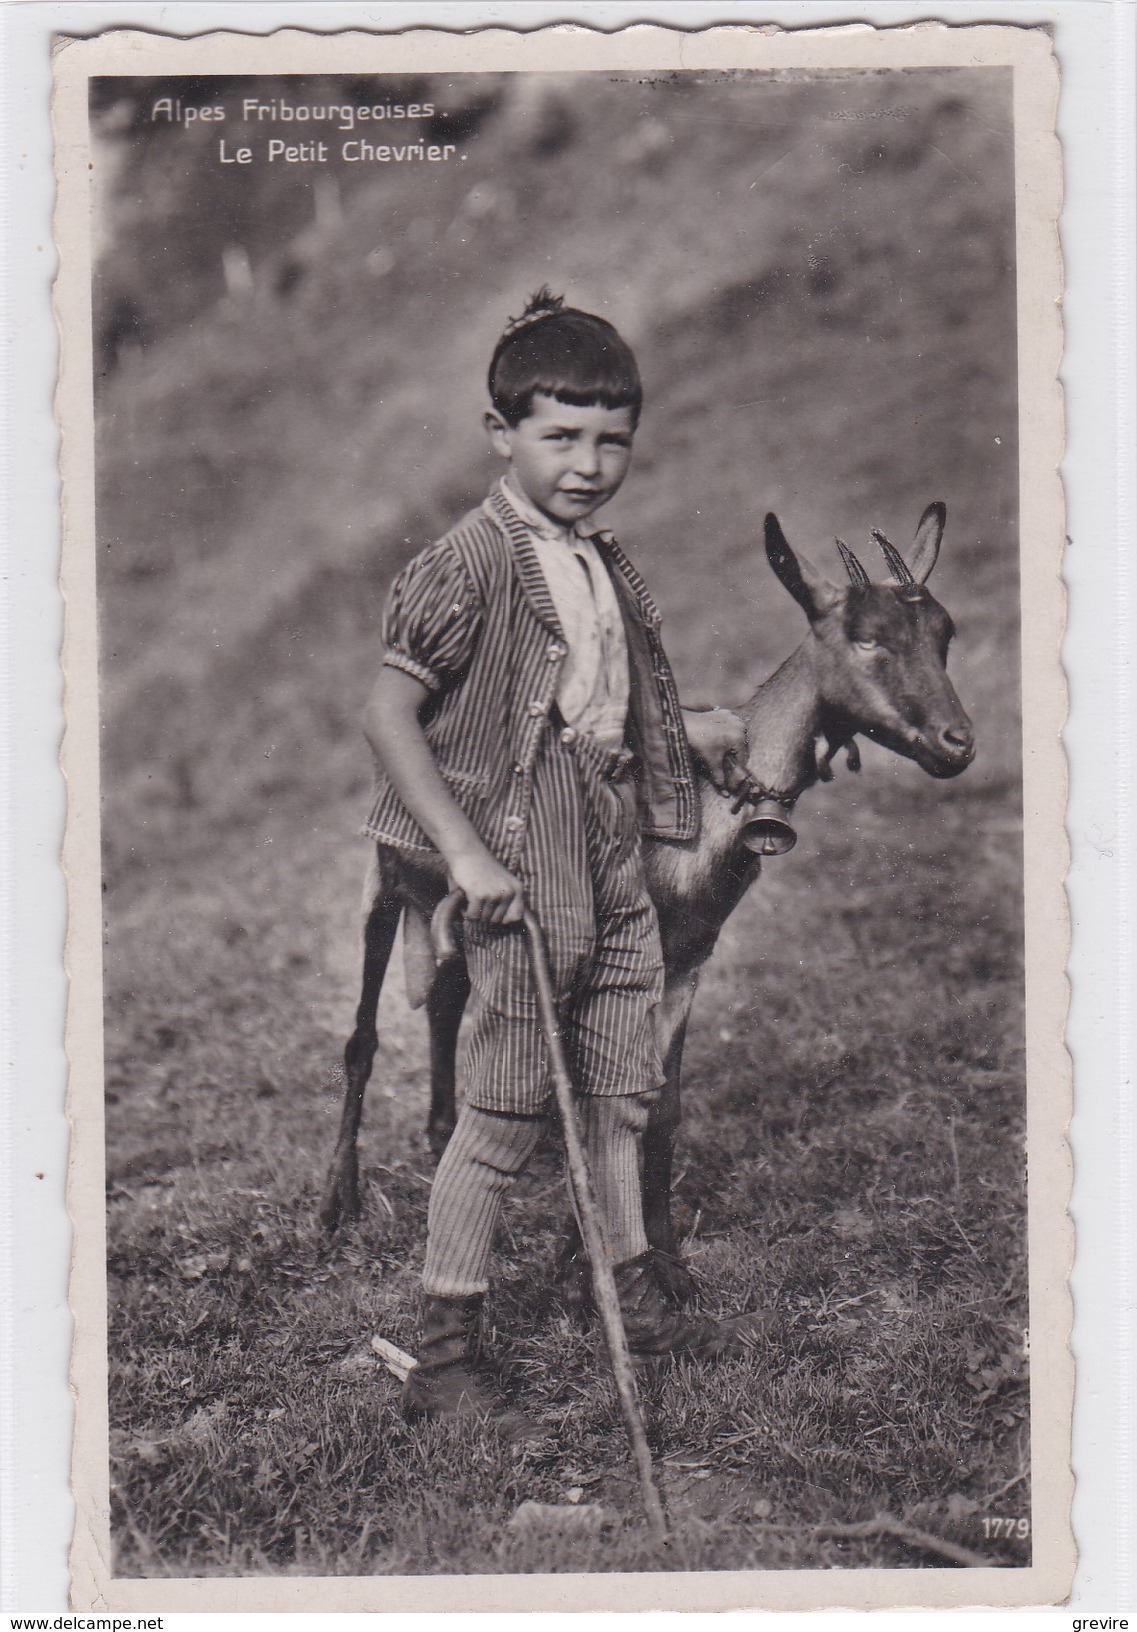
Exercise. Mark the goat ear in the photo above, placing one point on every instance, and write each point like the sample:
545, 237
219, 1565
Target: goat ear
929, 534
810, 588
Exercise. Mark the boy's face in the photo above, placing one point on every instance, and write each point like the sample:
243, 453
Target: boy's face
568, 461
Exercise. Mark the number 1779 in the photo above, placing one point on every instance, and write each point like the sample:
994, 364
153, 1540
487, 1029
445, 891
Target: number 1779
1003, 1529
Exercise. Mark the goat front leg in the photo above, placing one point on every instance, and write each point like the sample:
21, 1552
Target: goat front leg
341, 1201
444, 1008
674, 1278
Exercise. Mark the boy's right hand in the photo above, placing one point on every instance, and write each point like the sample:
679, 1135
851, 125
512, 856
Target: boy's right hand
493, 895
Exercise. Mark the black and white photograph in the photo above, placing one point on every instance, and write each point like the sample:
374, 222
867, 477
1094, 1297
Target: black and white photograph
555, 585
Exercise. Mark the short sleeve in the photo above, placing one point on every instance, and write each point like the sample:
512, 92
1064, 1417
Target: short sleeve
433, 618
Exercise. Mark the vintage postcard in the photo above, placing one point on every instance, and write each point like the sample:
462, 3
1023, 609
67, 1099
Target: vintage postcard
547, 467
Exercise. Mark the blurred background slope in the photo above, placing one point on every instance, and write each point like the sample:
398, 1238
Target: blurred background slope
817, 274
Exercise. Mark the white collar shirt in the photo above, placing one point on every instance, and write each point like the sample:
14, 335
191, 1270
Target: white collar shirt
594, 688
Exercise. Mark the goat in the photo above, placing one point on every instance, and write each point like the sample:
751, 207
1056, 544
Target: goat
873, 663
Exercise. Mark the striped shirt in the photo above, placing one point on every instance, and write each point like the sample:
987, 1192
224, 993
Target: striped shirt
472, 619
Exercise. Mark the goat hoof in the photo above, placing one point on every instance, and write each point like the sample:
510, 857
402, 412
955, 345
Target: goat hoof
673, 1277
336, 1211
341, 1203
438, 1136
331, 1213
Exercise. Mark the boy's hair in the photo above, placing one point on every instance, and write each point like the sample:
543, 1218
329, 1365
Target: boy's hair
557, 351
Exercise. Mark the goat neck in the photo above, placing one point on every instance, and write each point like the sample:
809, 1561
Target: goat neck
783, 720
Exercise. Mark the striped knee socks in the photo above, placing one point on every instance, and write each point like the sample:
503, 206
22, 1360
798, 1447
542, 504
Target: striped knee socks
486, 1153
613, 1151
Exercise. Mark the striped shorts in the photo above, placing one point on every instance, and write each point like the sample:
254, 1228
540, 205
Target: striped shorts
583, 874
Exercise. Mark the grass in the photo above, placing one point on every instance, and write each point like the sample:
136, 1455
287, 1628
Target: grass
863, 1175
852, 1150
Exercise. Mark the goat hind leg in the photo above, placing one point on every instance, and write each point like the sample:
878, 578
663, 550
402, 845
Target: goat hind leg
444, 1008
674, 1278
341, 1202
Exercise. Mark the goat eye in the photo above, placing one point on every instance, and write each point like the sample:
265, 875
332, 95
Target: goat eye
867, 645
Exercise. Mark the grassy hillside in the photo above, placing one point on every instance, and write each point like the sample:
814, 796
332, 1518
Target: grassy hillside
818, 280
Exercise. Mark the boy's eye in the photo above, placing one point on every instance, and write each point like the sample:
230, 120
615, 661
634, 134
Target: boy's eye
867, 645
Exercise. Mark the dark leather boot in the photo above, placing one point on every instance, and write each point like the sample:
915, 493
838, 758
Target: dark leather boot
656, 1331
443, 1383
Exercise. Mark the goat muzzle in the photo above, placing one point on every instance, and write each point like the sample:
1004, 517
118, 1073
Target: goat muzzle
767, 832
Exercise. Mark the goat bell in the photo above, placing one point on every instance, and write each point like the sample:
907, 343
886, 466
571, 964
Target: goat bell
768, 833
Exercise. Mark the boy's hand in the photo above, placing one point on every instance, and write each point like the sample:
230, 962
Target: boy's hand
493, 895
718, 740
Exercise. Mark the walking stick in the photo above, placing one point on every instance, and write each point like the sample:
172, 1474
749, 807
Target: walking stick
583, 1195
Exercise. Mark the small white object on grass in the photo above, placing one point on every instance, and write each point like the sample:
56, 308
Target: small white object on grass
541, 1517
397, 1361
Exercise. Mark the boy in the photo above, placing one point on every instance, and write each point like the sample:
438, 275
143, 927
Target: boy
526, 725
